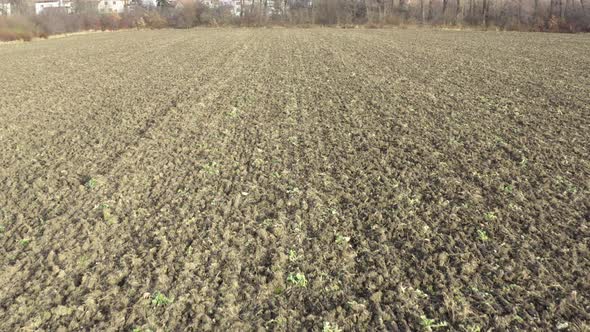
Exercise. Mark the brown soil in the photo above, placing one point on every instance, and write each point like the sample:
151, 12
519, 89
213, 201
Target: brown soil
417, 179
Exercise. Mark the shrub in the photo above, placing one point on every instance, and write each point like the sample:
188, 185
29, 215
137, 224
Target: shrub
10, 35
154, 20
110, 21
16, 28
91, 22
53, 21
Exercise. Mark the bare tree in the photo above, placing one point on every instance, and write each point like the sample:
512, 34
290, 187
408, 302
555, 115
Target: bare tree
484, 12
422, 11
4, 7
561, 14
536, 10
21, 7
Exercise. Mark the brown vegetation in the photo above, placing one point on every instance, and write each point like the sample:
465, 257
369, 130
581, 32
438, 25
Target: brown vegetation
58, 22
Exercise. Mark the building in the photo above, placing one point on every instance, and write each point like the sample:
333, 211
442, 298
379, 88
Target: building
112, 6
237, 6
5, 8
42, 5
254, 5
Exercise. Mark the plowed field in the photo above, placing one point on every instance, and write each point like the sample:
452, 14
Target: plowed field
285, 179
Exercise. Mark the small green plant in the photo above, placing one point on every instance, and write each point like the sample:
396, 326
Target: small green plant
91, 183
293, 255
279, 321
106, 213
430, 324
341, 240
2, 229
419, 293
211, 168
293, 191
507, 188
234, 112
482, 235
139, 329
293, 140
182, 192
160, 299
278, 290
473, 328
268, 222
353, 305
329, 327
333, 287
83, 261
258, 162
571, 189
298, 279
490, 216
24, 242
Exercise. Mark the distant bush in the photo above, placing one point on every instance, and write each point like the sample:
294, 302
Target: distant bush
10, 35
52, 22
91, 21
154, 20
110, 21
130, 21
16, 28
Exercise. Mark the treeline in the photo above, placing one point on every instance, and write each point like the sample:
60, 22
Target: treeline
20, 27
535, 15
521, 15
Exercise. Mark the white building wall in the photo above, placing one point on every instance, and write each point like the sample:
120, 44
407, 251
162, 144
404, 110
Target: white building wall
111, 6
42, 5
5, 9
237, 6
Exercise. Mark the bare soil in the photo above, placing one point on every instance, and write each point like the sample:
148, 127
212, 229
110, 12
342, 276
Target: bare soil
285, 179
